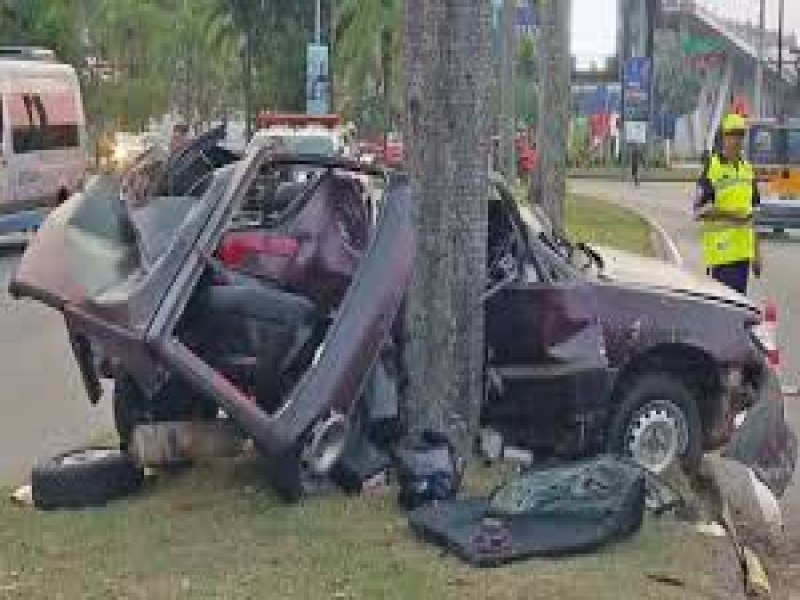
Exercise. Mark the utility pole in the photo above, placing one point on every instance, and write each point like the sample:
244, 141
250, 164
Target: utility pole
318, 23
248, 82
759, 95
781, 15
555, 101
507, 109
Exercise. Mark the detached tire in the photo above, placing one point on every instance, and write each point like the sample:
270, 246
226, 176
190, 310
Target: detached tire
84, 478
657, 422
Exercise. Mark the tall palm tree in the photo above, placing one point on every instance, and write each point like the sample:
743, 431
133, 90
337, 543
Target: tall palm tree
368, 47
38, 22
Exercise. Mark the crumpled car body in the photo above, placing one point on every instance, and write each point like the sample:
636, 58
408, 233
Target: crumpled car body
136, 265
226, 282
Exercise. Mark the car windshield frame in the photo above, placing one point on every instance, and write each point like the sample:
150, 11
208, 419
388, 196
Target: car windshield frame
537, 236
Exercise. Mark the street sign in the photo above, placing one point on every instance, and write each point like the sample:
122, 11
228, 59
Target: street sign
318, 83
637, 76
702, 45
636, 132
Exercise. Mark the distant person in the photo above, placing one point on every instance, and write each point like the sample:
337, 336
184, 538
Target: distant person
180, 137
727, 193
636, 160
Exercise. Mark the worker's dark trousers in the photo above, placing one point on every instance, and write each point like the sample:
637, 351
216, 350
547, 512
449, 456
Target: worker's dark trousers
734, 275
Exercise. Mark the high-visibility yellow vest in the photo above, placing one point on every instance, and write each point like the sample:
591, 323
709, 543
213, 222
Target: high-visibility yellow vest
733, 190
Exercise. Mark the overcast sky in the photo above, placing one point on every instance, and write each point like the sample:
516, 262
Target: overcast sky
594, 22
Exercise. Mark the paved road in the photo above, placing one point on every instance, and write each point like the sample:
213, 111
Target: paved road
669, 205
44, 407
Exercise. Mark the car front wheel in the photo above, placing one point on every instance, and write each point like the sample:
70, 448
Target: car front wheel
657, 423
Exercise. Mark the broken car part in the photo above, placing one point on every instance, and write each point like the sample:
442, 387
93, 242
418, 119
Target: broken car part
84, 478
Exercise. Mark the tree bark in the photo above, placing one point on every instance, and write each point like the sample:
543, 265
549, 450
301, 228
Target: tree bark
448, 75
555, 65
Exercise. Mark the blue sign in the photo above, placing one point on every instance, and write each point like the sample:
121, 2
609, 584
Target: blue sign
594, 99
318, 82
525, 22
637, 75
664, 126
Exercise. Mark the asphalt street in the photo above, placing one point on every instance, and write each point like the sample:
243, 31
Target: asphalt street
669, 205
45, 410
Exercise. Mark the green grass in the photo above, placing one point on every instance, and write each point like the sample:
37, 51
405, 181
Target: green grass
600, 222
215, 532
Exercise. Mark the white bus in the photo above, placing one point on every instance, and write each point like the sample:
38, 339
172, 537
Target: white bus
43, 145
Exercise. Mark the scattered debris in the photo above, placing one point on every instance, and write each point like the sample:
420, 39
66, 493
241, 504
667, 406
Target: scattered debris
712, 529
428, 470
23, 495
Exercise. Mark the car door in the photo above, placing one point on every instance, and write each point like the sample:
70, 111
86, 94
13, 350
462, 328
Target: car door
547, 365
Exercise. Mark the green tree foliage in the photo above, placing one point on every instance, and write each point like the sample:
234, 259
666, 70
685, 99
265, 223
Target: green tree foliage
677, 87
526, 81
44, 23
369, 50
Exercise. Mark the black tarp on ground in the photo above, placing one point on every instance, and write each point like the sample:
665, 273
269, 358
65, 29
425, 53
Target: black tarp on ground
552, 512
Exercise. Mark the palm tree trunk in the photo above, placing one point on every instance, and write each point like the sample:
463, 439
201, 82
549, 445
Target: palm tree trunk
554, 108
448, 75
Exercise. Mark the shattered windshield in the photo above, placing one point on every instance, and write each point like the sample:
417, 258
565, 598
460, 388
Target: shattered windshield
578, 254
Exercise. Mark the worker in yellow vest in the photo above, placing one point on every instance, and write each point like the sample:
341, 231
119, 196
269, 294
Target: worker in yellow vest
727, 192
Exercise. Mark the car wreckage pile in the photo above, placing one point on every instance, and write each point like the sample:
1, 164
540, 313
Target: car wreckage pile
259, 296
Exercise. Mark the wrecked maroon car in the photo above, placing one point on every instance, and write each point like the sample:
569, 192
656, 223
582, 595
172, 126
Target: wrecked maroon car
207, 285
198, 284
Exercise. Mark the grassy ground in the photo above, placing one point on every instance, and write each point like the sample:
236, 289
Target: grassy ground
598, 221
216, 533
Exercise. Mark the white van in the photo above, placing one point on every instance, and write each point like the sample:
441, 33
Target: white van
43, 157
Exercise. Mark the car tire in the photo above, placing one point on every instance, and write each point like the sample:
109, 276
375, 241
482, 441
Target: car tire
84, 478
657, 420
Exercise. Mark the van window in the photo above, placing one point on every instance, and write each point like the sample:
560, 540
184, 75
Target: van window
793, 146
46, 121
764, 145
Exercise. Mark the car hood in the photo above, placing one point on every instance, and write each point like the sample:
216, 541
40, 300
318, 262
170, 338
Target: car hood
625, 267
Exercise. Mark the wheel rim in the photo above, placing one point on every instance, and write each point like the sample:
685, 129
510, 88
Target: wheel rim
86, 456
657, 435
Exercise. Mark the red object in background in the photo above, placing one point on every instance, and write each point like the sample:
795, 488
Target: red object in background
527, 157
741, 106
600, 125
393, 153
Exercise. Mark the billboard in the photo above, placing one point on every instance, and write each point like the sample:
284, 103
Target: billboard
318, 82
637, 75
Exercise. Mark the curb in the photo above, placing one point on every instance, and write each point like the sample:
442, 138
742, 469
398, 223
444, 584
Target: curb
665, 247
656, 177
